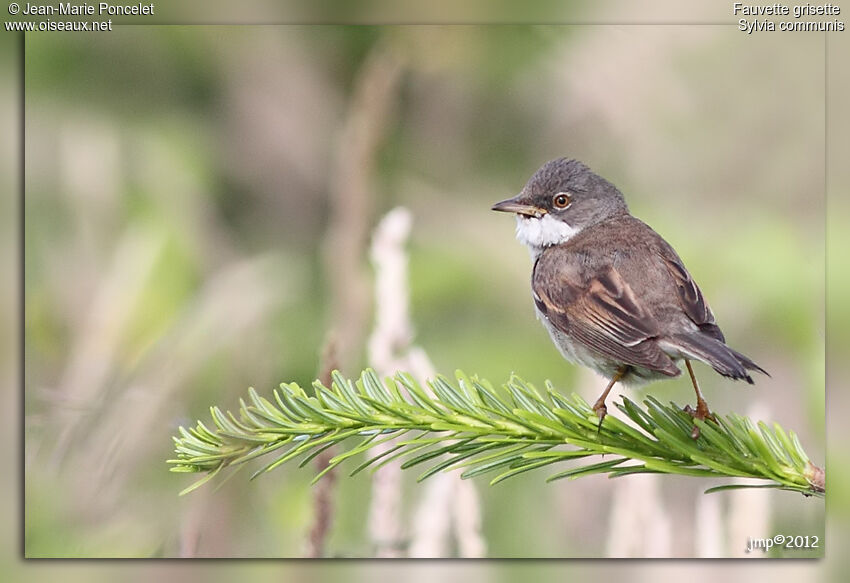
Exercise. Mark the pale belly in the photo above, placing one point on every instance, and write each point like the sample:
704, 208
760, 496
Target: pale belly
578, 353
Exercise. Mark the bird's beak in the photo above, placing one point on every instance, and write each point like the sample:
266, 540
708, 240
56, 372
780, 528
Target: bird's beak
519, 205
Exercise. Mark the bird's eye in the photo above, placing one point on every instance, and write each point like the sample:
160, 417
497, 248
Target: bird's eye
561, 200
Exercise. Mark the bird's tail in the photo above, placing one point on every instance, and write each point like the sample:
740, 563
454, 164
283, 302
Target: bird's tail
726, 361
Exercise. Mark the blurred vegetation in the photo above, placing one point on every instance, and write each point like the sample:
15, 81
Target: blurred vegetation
176, 208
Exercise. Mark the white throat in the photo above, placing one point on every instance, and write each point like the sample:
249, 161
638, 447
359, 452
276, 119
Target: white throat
540, 233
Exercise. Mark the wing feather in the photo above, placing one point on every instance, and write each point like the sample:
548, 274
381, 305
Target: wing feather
690, 297
604, 315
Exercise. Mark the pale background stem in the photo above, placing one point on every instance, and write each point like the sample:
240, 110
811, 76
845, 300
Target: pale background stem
448, 505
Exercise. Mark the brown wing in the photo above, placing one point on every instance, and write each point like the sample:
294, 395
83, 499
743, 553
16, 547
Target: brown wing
604, 315
690, 296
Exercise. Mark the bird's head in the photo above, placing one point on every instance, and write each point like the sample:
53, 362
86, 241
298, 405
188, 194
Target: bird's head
563, 197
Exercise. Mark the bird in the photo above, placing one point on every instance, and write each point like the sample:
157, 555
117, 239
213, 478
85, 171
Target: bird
612, 293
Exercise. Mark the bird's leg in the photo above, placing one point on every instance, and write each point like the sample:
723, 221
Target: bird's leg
599, 406
702, 412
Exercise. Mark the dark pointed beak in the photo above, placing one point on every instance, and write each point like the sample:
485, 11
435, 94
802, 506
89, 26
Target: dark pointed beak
518, 205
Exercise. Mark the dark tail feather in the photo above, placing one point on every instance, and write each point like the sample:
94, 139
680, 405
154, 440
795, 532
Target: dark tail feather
720, 357
747, 362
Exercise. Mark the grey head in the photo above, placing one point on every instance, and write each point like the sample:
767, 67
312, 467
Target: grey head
561, 199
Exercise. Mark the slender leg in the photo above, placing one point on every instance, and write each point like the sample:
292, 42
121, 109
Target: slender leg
702, 412
599, 407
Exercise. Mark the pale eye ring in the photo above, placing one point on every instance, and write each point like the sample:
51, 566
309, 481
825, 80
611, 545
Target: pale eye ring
561, 200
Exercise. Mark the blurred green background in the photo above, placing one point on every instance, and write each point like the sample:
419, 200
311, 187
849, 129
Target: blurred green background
180, 186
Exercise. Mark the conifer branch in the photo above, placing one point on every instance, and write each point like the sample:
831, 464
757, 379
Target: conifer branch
468, 424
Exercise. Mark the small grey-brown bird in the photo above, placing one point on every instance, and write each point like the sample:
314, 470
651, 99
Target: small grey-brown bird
612, 293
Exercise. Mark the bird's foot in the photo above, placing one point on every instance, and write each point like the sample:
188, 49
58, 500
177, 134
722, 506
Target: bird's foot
702, 413
601, 411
